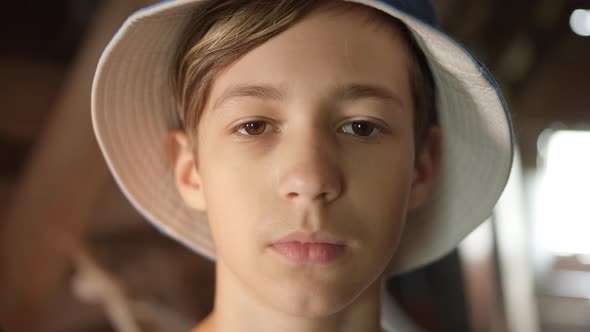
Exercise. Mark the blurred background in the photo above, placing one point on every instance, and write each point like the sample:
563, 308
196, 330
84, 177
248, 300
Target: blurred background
74, 255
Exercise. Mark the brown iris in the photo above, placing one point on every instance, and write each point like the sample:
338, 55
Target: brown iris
255, 127
362, 128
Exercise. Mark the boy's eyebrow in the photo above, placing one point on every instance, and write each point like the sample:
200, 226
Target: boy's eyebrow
248, 90
354, 91
349, 91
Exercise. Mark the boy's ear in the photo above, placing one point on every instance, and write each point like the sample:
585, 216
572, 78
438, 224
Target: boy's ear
186, 176
426, 167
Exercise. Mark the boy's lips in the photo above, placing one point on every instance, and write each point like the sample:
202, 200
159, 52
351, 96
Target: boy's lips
301, 247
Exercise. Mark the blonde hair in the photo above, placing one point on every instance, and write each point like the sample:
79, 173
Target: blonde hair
222, 31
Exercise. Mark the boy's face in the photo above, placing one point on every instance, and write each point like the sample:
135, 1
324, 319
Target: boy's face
309, 169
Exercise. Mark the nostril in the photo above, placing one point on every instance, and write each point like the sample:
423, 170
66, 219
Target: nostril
322, 196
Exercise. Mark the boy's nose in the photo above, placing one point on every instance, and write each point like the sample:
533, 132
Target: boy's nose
308, 174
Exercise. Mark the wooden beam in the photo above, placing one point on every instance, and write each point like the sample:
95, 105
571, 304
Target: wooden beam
28, 89
58, 190
517, 280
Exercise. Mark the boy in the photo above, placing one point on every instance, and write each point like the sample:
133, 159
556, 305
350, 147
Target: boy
300, 144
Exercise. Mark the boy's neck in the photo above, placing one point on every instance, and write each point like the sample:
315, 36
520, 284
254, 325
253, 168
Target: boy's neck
236, 309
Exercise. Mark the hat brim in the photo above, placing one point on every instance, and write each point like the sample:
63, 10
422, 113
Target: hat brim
133, 109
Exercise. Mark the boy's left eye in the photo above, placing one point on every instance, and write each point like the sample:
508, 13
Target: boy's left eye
358, 128
252, 128
363, 128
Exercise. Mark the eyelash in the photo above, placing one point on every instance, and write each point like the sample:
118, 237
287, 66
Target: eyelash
236, 129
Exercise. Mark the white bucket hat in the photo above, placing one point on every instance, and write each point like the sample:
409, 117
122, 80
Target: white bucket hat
133, 108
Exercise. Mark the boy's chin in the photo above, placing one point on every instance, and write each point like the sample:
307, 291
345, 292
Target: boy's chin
309, 299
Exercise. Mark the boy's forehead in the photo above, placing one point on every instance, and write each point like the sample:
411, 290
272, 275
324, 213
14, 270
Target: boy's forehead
340, 49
